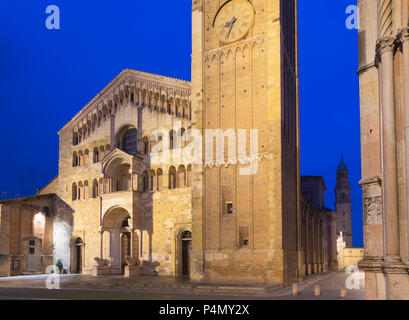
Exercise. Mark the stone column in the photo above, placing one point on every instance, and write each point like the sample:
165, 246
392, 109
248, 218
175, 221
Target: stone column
310, 243
321, 246
102, 244
314, 244
333, 236
404, 37
385, 49
131, 245
130, 181
103, 185
392, 265
306, 235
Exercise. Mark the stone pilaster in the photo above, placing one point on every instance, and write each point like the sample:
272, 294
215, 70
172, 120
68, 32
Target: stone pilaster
385, 49
198, 219
373, 238
404, 38
392, 265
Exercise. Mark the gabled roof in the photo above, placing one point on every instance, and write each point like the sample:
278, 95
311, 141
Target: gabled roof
123, 74
117, 154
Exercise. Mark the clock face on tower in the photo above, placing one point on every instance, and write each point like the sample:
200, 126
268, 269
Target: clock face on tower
234, 20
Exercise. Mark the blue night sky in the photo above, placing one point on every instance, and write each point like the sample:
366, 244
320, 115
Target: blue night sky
47, 76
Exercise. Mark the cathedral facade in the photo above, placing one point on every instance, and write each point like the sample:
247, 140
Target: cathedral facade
114, 209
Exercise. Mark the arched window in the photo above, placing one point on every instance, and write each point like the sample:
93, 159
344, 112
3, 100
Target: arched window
160, 179
130, 141
80, 158
79, 135
107, 148
172, 178
343, 196
80, 191
101, 152
95, 188
105, 112
167, 106
171, 106
189, 175
153, 182
178, 109
185, 109
171, 139
74, 159
86, 157
182, 138
96, 155
181, 176
94, 122
145, 181
74, 138
86, 190
74, 191
145, 145
100, 186
85, 131
99, 118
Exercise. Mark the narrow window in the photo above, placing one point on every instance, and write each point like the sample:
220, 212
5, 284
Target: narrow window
16, 265
229, 207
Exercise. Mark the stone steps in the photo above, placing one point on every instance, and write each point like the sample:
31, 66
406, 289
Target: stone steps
151, 287
205, 288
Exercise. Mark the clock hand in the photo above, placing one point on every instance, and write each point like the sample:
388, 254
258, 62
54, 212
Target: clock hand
233, 20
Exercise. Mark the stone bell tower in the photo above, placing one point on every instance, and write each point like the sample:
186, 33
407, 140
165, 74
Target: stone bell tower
343, 203
245, 77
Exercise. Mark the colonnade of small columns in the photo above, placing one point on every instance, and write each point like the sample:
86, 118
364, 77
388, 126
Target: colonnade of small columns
149, 181
82, 157
318, 239
173, 101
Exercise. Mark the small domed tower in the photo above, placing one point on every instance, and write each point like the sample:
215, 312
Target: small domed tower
343, 203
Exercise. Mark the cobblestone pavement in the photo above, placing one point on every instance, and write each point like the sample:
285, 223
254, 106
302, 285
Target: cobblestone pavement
169, 288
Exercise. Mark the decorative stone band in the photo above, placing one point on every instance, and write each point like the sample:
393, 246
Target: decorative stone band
233, 161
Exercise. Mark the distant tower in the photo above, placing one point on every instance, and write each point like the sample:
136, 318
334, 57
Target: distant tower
343, 203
